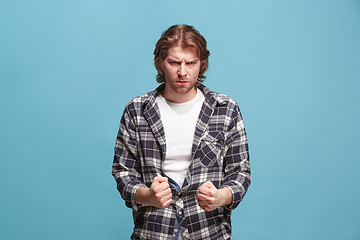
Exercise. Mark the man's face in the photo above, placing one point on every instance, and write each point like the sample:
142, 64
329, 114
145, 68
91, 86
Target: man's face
181, 70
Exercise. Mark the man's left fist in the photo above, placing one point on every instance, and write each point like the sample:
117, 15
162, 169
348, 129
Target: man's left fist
210, 198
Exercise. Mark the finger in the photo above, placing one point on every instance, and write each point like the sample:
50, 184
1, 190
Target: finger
161, 193
163, 186
201, 197
167, 203
165, 200
204, 206
159, 186
159, 179
207, 191
209, 184
203, 190
206, 199
162, 179
166, 193
167, 196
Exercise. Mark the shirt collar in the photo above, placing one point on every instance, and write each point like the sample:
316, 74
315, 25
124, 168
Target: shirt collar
212, 98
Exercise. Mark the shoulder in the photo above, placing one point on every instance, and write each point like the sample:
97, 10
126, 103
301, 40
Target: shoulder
141, 103
224, 99
139, 100
218, 99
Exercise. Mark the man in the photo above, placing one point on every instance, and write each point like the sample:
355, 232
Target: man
181, 156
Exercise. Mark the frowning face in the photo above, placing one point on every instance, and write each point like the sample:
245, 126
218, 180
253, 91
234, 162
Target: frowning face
181, 70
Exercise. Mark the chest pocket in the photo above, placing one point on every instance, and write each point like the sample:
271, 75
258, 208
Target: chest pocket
210, 149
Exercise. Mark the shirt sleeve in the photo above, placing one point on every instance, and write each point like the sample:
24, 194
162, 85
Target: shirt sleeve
126, 165
237, 165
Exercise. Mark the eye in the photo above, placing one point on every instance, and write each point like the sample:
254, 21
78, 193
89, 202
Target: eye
191, 63
173, 62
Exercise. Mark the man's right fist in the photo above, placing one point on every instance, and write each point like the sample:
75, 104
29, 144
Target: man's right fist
158, 195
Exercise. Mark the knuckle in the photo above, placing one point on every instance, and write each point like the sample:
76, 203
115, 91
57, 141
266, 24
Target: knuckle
164, 204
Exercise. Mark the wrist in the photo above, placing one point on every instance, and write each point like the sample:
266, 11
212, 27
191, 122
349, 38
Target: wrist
227, 196
142, 194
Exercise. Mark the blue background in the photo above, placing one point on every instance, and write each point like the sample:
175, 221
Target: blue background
67, 69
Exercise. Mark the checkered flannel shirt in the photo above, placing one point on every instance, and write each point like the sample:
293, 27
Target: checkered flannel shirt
219, 154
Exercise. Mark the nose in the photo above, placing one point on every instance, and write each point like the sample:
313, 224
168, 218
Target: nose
182, 70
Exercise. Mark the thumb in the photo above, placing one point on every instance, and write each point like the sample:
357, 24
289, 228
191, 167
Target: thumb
163, 179
208, 184
159, 179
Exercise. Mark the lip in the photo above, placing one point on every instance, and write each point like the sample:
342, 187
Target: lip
181, 82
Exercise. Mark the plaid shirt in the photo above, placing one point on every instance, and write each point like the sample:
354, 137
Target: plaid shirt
219, 154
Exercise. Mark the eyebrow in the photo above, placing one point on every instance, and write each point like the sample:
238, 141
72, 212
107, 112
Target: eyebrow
176, 59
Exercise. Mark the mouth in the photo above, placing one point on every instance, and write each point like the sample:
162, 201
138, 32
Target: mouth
181, 82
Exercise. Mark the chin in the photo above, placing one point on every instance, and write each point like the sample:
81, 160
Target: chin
184, 90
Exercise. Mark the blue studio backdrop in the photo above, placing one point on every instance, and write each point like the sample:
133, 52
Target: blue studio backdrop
67, 69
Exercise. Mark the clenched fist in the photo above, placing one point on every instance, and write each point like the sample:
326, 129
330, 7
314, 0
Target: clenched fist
158, 195
210, 198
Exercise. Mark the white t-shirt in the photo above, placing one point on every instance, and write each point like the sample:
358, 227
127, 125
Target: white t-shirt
179, 121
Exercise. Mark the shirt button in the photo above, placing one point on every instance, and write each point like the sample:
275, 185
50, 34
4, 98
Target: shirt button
174, 235
175, 230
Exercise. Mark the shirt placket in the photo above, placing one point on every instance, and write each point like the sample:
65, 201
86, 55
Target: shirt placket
179, 208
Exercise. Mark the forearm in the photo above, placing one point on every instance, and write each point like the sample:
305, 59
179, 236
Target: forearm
238, 188
127, 183
237, 166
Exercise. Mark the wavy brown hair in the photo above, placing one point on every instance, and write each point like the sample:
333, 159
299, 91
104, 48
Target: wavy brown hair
184, 36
